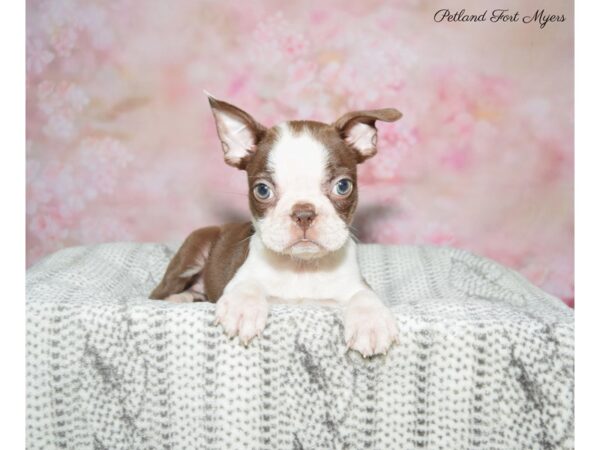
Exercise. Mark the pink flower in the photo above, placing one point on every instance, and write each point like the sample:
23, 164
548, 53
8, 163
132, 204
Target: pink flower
48, 226
38, 57
64, 40
60, 127
76, 98
456, 158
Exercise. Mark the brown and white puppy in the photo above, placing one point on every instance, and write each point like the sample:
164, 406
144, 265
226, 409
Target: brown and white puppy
298, 247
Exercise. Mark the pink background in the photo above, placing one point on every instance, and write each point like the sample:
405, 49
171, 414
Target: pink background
121, 144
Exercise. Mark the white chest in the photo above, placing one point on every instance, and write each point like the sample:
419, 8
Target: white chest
334, 277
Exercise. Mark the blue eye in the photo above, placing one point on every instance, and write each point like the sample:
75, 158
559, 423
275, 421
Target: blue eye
262, 191
343, 187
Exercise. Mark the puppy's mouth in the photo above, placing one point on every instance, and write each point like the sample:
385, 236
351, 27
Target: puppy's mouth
305, 247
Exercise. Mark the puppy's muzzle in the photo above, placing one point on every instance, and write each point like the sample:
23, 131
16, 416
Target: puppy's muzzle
303, 214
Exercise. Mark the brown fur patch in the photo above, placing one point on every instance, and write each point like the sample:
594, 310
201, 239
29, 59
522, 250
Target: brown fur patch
219, 251
368, 116
194, 252
227, 255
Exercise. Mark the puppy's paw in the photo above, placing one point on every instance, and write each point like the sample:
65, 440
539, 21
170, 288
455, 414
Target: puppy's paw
242, 314
182, 297
369, 329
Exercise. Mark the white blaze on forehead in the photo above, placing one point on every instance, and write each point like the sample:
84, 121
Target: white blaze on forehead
298, 162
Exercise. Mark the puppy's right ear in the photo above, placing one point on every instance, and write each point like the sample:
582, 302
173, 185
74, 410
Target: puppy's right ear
238, 131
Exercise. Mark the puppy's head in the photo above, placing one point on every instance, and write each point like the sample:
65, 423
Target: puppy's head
301, 174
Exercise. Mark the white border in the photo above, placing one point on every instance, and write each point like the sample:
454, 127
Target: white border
587, 205
12, 201
587, 223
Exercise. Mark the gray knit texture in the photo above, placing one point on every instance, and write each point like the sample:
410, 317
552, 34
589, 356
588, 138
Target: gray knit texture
485, 361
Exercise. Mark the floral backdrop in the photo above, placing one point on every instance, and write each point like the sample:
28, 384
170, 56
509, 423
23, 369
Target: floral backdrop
121, 144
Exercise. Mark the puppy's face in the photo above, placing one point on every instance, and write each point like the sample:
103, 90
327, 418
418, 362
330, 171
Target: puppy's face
301, 175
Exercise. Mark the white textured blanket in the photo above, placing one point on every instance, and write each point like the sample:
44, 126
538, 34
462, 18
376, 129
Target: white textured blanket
485, 361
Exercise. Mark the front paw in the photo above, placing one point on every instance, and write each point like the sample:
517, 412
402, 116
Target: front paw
369, 329
242, 315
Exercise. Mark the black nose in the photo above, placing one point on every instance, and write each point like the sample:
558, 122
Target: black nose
303, 214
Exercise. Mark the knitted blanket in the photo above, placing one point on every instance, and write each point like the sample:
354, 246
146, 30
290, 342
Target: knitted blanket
485, 361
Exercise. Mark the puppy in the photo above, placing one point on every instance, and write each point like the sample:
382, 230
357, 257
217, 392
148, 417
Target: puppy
303, 192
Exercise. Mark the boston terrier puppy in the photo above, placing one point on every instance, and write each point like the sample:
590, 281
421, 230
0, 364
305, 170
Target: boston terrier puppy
298, 248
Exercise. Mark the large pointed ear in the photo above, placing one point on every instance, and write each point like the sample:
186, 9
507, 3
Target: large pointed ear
358, 129
238, 131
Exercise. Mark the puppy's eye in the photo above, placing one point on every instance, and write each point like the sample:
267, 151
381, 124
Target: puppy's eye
343, 187
262, 192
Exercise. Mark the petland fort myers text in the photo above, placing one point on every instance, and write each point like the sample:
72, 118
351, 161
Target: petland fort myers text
539, 17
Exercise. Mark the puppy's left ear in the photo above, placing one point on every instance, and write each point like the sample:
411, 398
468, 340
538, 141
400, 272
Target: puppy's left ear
358, 129
238, 131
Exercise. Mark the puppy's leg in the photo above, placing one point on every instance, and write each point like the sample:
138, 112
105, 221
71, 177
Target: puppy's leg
182, 281
369, 326
242, 310
194, 293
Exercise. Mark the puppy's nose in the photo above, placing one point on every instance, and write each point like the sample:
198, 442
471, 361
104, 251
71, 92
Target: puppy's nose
303, 214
